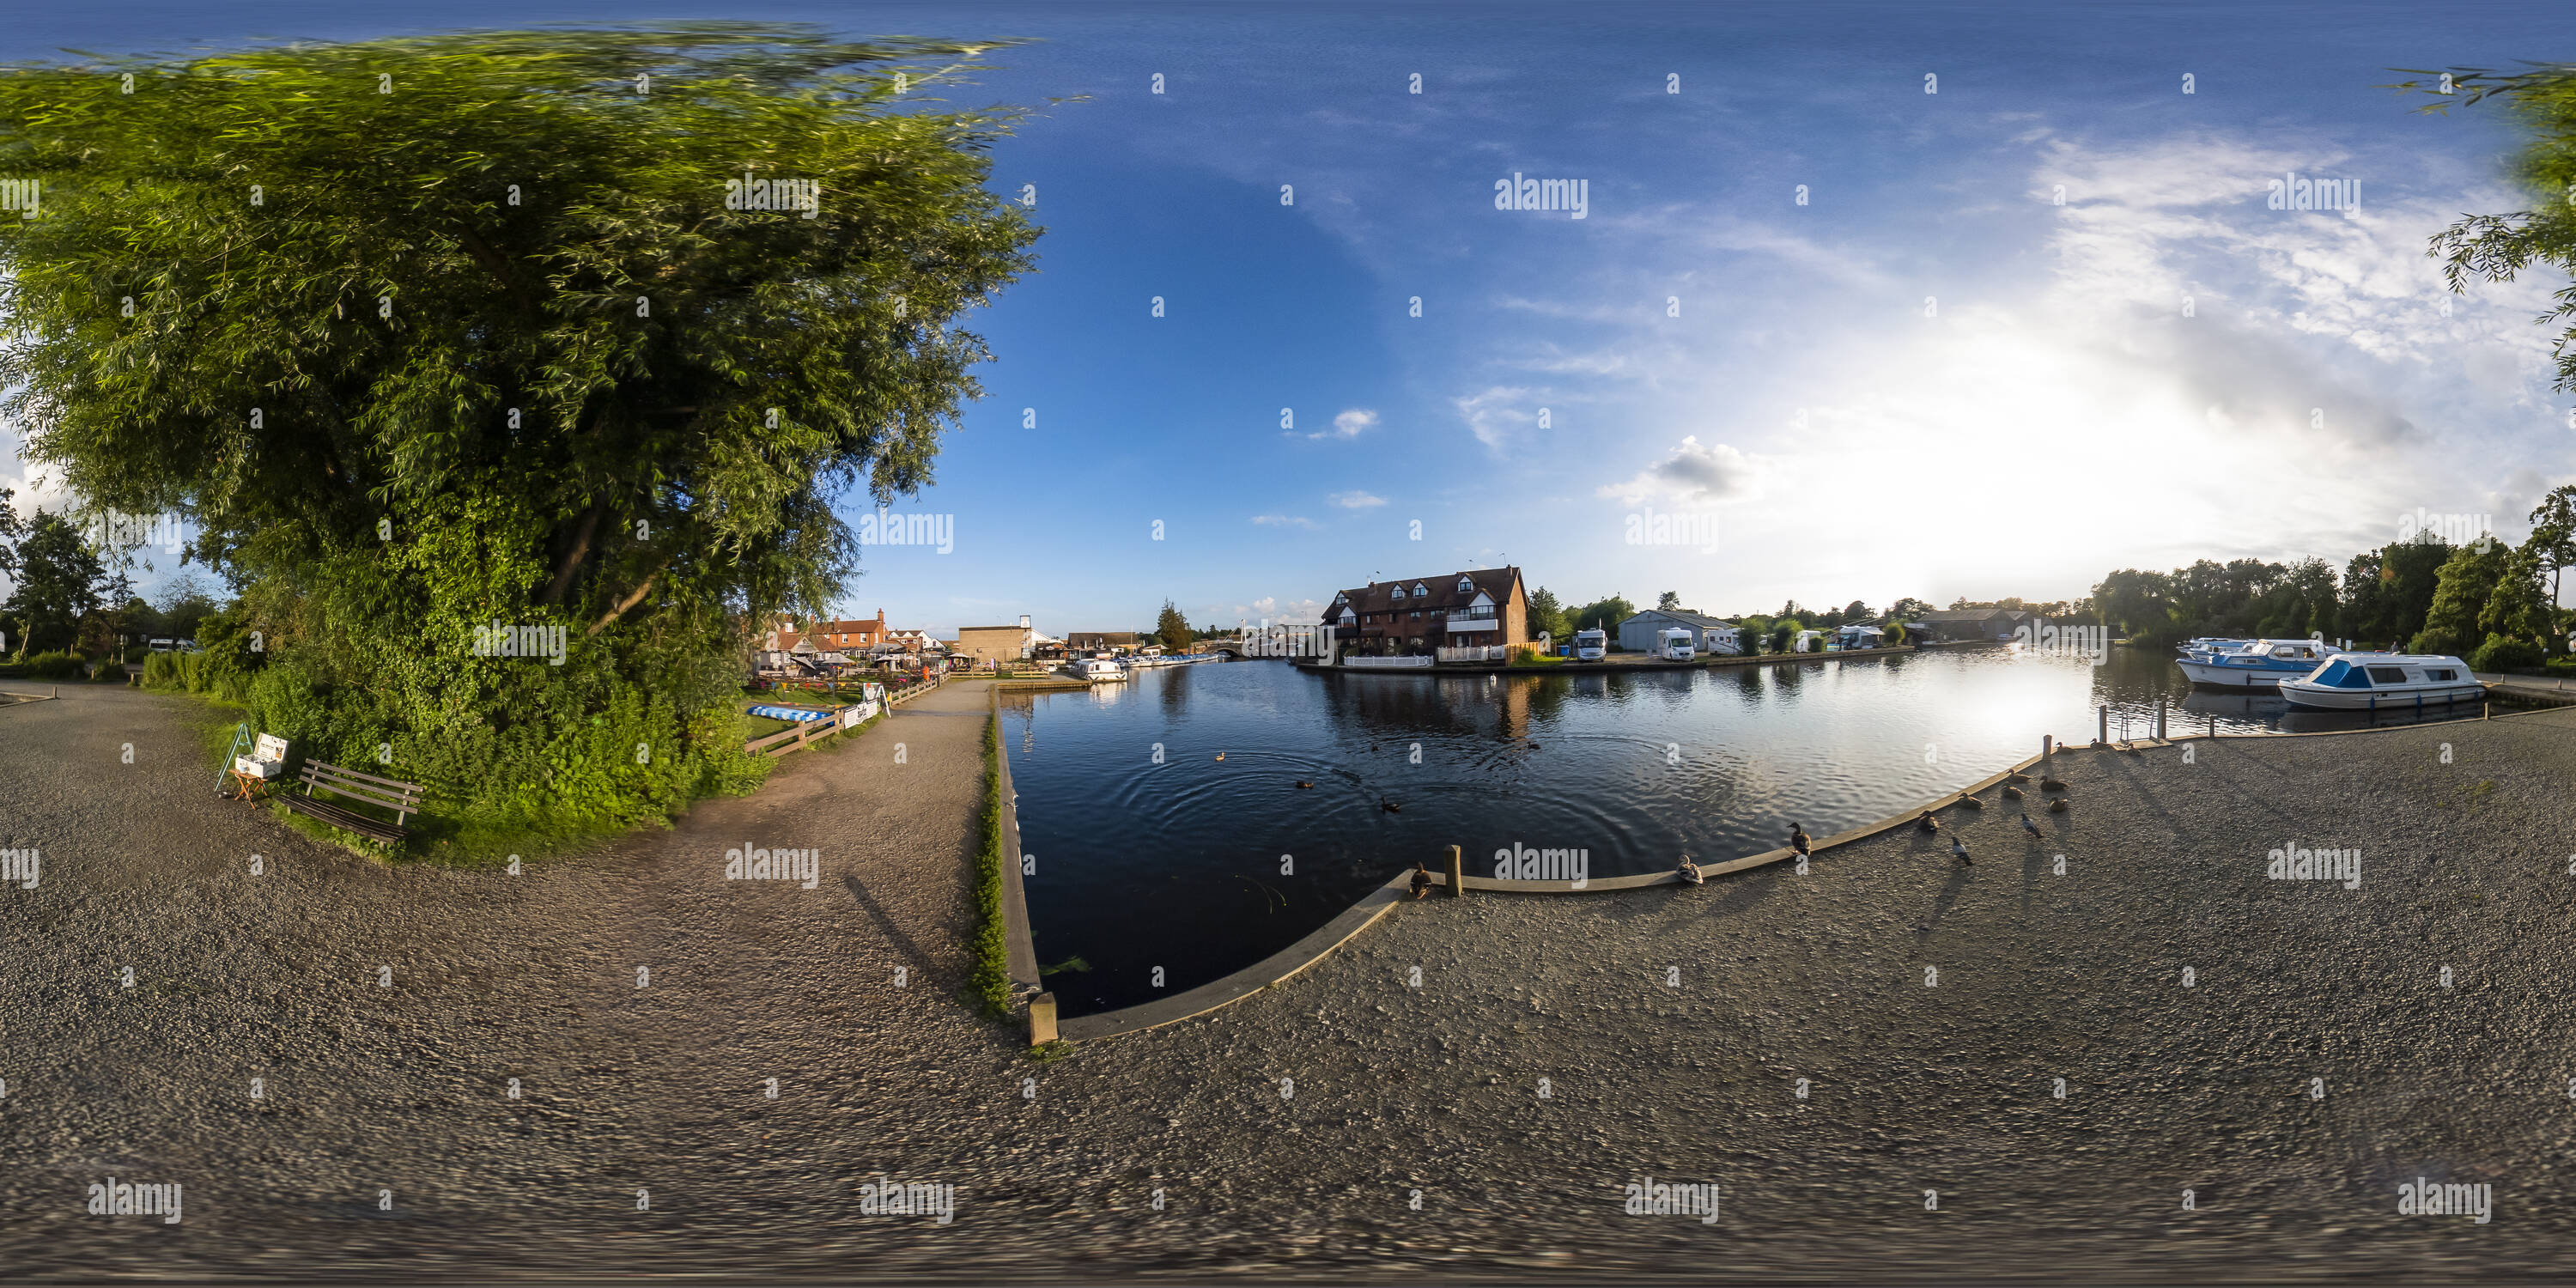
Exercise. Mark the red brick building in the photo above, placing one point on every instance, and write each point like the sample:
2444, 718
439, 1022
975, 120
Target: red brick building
1418, 615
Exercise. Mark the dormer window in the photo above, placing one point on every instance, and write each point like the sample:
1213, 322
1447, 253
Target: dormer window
1420, 589
1399, 592
1466, 585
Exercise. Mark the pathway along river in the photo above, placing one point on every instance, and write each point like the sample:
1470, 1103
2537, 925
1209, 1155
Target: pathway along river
1160, 867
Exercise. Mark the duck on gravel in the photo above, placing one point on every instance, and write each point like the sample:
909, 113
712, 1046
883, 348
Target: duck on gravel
1928, 823
2016, 777
2051, 785
1971, 801
2011, 793
2057, 805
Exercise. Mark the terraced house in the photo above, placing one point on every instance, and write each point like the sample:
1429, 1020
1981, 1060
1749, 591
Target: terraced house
1487, 606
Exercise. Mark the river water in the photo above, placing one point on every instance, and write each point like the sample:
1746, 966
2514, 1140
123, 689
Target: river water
1159, 867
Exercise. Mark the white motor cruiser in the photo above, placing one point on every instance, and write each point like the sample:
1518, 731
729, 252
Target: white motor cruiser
2385, 682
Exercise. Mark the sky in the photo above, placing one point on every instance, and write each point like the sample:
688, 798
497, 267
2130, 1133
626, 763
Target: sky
1866, 300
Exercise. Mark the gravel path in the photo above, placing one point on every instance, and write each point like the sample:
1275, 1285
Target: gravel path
1396, 1088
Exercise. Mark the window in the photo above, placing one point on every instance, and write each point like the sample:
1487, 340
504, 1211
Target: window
1466, 585
1399, 593
2442, 674
2387, 675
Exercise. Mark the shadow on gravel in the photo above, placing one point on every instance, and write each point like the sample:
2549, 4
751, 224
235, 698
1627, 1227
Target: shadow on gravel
894, 933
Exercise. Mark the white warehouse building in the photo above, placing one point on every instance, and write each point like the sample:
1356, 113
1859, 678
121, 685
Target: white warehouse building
1643, 632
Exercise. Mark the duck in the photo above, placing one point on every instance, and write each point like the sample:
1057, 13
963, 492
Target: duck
1220, 755
2051, 785
1928, 823
1959, 850
2030, 827
1390, 807
2057, 805
2011, 793
1971, 801
1798, 839
1303, 783
2016, 777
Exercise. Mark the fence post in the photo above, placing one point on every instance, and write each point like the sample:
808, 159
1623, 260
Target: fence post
1457, 871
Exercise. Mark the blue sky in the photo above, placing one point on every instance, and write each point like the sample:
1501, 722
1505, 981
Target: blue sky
1932, 379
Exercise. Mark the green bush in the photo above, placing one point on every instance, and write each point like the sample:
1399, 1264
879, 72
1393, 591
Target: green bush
108, 668
54, 666
2502, 654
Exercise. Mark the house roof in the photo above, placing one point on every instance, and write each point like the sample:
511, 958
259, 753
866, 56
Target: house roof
1440, 592
1701, 620
1012, 627
1113, 637
1973, 614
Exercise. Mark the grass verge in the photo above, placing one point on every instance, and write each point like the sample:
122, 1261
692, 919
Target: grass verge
988, 975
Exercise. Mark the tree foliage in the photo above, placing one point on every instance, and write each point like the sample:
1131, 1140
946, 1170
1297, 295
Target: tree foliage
2498, 247
429, 334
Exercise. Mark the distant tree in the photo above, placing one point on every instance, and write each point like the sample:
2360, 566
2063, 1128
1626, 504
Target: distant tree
1907, 609
1784, 631
1172, 629
184, 603
2461, 590
58, 583
2553, 544
1547, 617
12, 530
1605, 614
1858, 611
1669, 600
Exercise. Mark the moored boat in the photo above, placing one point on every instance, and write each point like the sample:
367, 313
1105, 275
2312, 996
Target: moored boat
2384, 682
2256, 664
1103, 669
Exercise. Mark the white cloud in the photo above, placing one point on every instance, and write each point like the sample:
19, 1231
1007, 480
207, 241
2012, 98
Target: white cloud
1695, 473
1350, 422
1494, 413
1282, 521
1356, 500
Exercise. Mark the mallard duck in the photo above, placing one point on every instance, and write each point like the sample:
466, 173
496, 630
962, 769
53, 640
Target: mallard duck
1971, 802
1303, 783
1798, 838
2016, 777
2057, 805
2011, 793
1390, 807
1220, 755
2051, 785
1928, 823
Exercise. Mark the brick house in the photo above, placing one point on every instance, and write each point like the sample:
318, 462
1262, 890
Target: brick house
1418, 615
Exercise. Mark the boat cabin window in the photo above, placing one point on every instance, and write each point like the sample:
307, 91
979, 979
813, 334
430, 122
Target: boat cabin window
2388, 675
2285, 651
2441, 674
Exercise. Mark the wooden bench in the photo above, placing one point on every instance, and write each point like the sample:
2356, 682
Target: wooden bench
400, 797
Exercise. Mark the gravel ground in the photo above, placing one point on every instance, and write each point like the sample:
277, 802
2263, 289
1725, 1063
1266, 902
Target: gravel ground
1396, 1088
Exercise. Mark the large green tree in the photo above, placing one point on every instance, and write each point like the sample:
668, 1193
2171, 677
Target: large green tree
58, 584
1172, 629
2498, 247
432, 333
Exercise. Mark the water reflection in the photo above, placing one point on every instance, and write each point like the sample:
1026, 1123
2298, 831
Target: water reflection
1151, 852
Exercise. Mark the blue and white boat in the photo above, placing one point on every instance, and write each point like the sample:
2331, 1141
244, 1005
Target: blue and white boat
2255, 664
2384, 682
2197, 648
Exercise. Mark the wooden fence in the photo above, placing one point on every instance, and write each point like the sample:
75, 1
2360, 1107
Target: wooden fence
808, 732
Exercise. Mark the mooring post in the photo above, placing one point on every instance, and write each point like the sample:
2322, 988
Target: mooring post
1457, 871
2160, 719
1042, 1019
2102, 732
2047, 745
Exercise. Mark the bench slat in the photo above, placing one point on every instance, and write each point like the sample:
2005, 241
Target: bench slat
358, 784
383, 793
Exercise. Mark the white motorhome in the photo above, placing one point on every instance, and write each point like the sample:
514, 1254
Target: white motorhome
1591, 645
1674, 644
